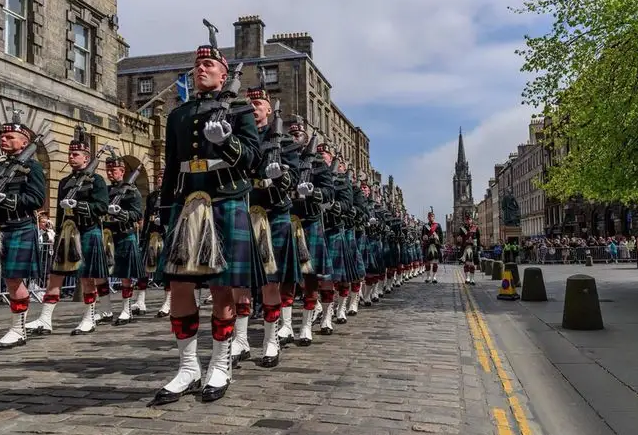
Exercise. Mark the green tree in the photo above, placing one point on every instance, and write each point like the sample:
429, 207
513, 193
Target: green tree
586, 80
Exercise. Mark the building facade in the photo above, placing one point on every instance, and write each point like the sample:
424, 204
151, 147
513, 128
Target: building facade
290, 76
58, 67
528, 171
462, 188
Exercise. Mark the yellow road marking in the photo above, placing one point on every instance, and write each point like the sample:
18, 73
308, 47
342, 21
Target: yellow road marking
502, 424
476, 316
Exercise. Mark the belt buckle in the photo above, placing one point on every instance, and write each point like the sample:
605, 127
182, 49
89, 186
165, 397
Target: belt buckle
197, 166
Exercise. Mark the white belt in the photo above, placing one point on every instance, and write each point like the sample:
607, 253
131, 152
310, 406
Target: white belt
202, 165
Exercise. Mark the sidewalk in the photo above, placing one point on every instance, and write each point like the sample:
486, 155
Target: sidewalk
599, 367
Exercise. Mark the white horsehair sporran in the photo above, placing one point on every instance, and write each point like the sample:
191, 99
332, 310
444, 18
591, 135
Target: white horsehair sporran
196, 247
153, 251
68, 250
302, 246
263, 235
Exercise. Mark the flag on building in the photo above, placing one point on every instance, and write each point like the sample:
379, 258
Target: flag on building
182, 87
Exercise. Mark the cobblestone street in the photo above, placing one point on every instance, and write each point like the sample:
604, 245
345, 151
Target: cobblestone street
409, 364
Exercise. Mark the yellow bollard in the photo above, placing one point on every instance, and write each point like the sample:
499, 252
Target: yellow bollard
507, 290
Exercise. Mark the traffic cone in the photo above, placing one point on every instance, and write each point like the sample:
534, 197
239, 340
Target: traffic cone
507, 291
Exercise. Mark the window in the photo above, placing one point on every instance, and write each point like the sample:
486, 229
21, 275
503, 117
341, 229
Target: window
145, 85
147, 112
327, 122
82, 49
312, 78
319, 119
271, 75
15, 28
311, 111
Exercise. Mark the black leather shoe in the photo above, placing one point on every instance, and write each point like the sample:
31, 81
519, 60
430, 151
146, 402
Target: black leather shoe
270, 361
80, 332
161, 314
210, 394
304, 342
40, 330
352, 313
326, 331
244, 355
163, 396
138, 312
341, 321
120, 322
286, 340
20, 342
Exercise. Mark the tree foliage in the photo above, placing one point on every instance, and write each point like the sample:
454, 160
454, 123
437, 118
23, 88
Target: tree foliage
587, 83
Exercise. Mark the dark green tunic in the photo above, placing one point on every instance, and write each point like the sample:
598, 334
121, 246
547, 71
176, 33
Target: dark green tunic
20, 248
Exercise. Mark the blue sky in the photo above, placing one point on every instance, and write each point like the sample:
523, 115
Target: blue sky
408, 72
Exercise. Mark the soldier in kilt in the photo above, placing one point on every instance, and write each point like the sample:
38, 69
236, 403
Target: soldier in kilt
125, 209
432, 236
360, 238
315, 190
79, 247
151, 243
209, 236
20, 199
270, 204
372, 251
469, 239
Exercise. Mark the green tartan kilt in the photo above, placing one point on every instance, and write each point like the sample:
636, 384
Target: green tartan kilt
318, 248
21, 253
128, 259
358, 267
94, 264
336, 241
233, 226
372, 254
404, 257
285, 249
391, 254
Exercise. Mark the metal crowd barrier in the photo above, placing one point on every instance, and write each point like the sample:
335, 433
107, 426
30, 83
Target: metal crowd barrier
568, 254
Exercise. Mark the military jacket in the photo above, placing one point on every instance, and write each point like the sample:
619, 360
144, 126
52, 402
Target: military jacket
342, 206
470, 235
25, 195
195, 164
150, 213
131, 203
429, 230
276, 196
92, 198
309, 208
360, 205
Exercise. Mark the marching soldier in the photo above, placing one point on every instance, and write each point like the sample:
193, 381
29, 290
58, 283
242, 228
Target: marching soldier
315, 190
152, 243
469, 239
432, 236
358, 238
123, 252
209, 149
22, 192
79, 248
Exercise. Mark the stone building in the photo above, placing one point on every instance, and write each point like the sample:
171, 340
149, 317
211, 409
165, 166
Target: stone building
504, 181
485, 218
528, 170
496, 207
290, 76
58, 66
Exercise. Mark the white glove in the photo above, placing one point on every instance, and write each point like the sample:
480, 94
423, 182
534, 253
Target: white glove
217, 132
274, 171
3, 196
156, 221
114, 209
305, 189
373, 220
69, 204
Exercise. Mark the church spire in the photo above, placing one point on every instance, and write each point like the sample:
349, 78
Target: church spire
461, 156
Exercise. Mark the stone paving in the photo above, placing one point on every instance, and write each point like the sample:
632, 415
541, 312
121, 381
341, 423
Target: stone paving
406, 365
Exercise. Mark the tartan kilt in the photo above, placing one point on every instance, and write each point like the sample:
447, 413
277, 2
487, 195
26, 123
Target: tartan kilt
391, 254
94, 264
372, 254
21, 253
336, 241
285, 249
354, 262
357, 253
128, 258
234, 229
319, 254
404, 257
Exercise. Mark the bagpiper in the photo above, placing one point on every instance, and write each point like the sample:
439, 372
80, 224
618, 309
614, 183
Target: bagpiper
120, 233
212, 142
79, 248
432, 236
357, 237
22, 193
372, 251
469, 239
152, 243
314, 192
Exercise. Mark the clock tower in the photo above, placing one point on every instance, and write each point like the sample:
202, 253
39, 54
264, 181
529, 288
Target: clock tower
462, 184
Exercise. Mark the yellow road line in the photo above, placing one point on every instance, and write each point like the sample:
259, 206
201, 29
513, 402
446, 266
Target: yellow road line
502, 424
517, 409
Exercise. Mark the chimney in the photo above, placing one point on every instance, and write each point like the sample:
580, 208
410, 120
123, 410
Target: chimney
301, 42
249, 37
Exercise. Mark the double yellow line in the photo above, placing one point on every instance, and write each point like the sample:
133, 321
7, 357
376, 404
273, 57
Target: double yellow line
483, 339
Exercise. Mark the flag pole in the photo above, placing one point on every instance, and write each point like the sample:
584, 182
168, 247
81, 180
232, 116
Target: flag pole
168, 88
